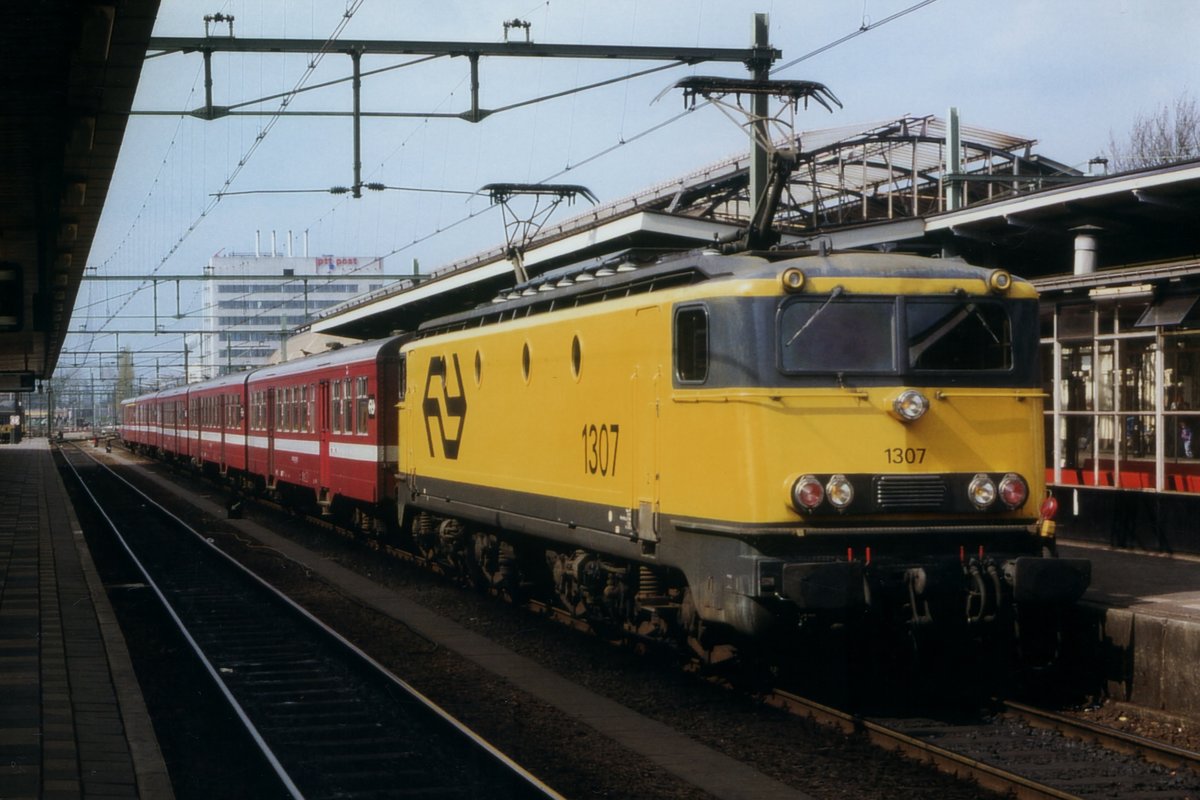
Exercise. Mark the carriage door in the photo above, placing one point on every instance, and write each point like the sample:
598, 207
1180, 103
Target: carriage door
323, 406
223, 421
271, 422
644, 435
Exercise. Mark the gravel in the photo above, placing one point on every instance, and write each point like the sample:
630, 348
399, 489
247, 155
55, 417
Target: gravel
569, 756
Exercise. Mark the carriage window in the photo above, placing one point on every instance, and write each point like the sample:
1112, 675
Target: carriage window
691, 344
403, 377
337, 406
362, 406
347, 406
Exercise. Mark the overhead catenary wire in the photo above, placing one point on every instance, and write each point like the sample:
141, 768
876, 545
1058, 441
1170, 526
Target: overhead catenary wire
443, 228
258, 140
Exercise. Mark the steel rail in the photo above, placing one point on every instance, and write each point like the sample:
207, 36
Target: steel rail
499, 757
1166, 755
946, 761
247, 723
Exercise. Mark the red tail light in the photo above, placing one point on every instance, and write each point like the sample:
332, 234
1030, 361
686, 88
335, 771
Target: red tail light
1049, 507
807, 493
1013, 490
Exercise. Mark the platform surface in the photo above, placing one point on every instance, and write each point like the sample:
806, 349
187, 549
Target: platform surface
72, 719
1143, 612
1148, 583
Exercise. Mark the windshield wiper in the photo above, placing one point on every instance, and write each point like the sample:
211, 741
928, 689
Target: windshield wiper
948, 324
836, 293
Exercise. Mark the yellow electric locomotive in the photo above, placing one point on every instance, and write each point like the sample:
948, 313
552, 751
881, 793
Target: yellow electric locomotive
719, 447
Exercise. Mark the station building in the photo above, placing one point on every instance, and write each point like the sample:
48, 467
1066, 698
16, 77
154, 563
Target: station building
253, 301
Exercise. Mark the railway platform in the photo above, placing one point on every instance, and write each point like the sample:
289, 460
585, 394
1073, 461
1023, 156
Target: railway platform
1142, 611
72, 719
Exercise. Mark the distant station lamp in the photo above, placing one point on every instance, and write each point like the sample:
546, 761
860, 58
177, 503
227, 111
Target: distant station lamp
520, 230
745, 101
12, 297
17, 381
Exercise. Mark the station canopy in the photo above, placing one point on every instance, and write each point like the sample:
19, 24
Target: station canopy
70, 71
886, 171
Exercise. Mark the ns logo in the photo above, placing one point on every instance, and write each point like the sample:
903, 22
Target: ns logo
440, 405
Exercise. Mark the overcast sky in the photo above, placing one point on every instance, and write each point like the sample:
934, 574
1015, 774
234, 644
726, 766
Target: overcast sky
1067, 73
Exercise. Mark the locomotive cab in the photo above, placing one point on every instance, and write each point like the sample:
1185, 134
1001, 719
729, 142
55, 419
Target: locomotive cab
882, 436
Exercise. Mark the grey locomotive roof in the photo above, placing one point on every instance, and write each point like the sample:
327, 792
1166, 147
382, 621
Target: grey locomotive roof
594, 281
874, 265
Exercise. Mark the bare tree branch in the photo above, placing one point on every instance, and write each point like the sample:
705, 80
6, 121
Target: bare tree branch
1161, 137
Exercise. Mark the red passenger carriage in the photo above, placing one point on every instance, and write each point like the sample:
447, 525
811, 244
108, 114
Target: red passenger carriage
327, 423
322, 429
135, 421
218, 414
171, 410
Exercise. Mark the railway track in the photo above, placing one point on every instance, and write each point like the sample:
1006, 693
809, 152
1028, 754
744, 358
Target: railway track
329, 720
1017, 751
1025, 752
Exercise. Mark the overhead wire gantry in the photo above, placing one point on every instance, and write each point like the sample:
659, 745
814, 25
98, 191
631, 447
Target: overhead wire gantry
757, 58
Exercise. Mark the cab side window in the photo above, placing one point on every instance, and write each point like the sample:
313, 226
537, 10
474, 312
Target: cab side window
691, 344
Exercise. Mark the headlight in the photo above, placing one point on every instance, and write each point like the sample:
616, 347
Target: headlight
839, 491
807, 493
982, 491
1013, 490
793, 280
999, 281
910, 405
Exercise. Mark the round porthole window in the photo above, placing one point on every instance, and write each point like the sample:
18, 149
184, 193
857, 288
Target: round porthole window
576, 357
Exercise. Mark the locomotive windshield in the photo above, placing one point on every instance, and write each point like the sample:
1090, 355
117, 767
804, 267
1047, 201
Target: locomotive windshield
838, 333
958, 335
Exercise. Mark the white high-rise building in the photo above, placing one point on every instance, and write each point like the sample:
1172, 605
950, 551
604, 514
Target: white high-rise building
253, 302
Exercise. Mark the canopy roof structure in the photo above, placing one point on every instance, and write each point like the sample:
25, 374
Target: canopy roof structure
70, 71
881, 172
